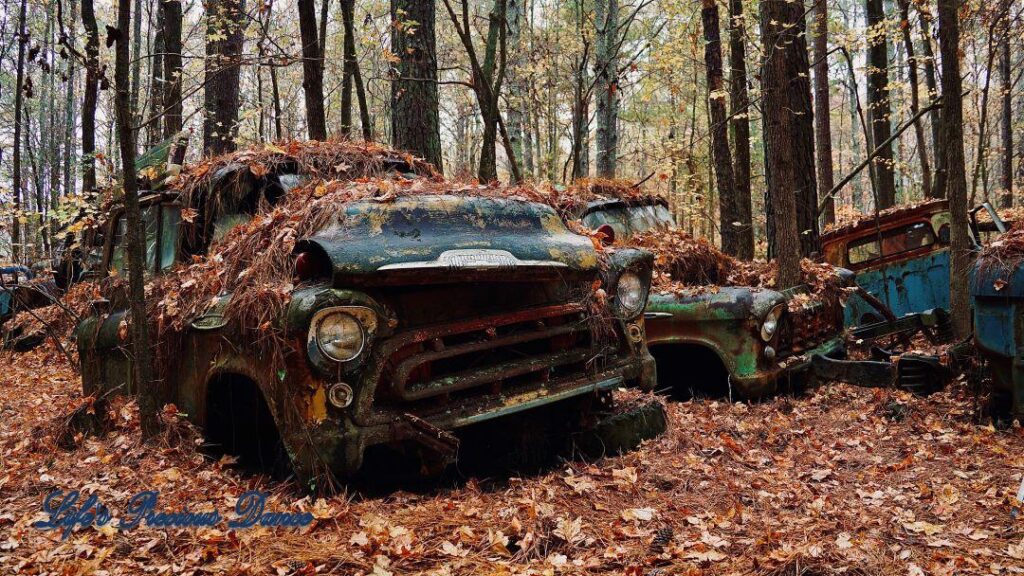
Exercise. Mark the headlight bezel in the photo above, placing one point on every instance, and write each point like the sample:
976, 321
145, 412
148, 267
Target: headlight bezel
770, 323
641, 291
364, 318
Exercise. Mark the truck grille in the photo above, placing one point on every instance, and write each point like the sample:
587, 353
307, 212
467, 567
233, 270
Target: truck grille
806, 328
504, 353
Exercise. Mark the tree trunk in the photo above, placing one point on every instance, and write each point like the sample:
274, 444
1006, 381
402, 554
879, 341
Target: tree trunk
312, 72
415, 120
740, 124
136, 57
348, 65
150, 394
915, 100
515, 84
823, 108
788, 138
956, 184
70, 105
878, 101
351, 76
172, 100
606, 70
938, 186
223, 55
158, 83
19, 98
720, 154
1006, 79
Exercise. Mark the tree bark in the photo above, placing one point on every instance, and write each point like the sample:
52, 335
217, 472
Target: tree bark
348, 65
515, 81
223, 55
879, 109
1006, 82
70, 105
312, 71
915, 100
150, 394
172, 100
787, 116
956, 184
415, 120
606, 70
19, 98
740, 125
721, 156
823, 108
158, 82
938, 187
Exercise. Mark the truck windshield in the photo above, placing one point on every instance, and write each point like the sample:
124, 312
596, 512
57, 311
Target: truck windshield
631, 220
161, 228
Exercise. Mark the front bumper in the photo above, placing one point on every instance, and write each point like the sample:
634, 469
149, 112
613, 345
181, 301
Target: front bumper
766, 381
340, 442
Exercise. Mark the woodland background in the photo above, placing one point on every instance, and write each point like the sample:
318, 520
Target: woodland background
610, 88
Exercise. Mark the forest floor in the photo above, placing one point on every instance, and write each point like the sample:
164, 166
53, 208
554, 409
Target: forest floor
840, 480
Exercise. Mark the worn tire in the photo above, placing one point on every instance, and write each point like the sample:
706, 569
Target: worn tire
623, 431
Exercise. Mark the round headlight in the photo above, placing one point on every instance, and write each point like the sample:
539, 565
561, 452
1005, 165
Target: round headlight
630, 294
340, 336
771, 323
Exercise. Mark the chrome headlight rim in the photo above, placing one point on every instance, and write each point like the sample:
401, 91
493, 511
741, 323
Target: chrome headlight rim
361, 317
636, 294
770, 323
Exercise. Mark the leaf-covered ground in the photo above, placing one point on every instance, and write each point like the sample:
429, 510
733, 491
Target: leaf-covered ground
841, 480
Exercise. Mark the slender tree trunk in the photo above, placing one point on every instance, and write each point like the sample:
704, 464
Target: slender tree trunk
158, 82
606, 69
223, 58
915, 105
1006, 83
150, 394
740, 125
788, 138
822, 107
415, 120
721, 157
312, 71
938, 187
348, 65
515, 114
70, 106
351, 76
952, 124
19, 98
172, 100
136, 55
879, 109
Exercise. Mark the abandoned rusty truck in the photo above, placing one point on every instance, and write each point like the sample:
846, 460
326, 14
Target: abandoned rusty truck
723, 340
901, 259
412, 315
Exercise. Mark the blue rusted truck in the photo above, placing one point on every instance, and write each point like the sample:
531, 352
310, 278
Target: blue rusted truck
901, 259
997, 292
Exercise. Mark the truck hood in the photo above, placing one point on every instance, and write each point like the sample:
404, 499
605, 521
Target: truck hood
430, 237
721, 303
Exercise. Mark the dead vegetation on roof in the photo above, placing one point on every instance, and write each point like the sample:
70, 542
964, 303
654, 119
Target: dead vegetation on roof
574, 198
688, 265
1006, 251
849, 218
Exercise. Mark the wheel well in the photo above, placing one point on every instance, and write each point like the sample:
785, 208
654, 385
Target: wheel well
239, 423
691, 370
